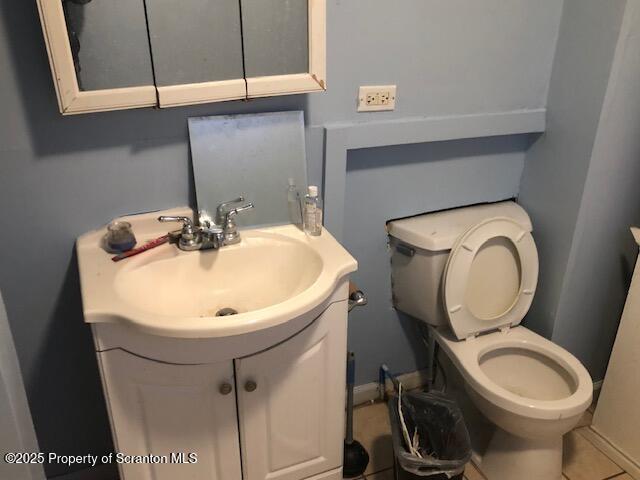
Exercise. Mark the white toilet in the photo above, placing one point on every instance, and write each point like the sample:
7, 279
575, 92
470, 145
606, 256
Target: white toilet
471, 274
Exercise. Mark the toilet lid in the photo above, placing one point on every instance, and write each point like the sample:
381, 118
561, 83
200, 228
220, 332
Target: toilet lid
490, 277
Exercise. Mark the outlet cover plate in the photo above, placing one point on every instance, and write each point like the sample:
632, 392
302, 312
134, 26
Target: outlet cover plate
377, 98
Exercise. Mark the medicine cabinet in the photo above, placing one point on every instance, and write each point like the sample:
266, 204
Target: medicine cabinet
119, 54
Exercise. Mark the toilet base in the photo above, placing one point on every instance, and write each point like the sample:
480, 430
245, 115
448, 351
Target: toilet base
509, 457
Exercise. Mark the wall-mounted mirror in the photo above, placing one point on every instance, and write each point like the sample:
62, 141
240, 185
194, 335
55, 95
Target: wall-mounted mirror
109, 43
249, 155
99, 54
276, 37
117, 54
284, 46
197, 50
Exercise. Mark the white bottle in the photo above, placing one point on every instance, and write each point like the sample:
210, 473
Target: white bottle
293, 202
312, 212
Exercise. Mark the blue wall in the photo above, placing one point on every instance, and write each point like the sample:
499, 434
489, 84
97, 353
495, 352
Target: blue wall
557, 164
62, 176
580, 180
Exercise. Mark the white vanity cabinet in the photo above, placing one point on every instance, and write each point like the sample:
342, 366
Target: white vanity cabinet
258, 395
291, 402
159, 408
278, 412
120, 54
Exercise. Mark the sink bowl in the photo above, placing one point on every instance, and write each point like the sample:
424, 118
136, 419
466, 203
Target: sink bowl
262, 271
274, 275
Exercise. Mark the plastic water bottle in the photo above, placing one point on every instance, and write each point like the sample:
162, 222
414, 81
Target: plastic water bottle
293, 202
312, 212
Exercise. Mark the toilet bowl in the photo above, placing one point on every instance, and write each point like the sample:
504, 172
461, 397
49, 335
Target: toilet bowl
471, 274
531, 389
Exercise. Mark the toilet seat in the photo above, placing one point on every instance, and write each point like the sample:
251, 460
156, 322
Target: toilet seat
467, 356
464, 323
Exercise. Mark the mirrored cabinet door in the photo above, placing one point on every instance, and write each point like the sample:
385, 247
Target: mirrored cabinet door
109, 43
117, 54
99, 54
197, 50
284, 46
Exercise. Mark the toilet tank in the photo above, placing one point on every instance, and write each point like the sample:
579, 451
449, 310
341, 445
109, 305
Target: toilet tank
420, 248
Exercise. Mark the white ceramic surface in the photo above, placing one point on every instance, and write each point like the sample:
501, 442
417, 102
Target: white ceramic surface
472, 278
272, 276
531, 389
440, 230
490, 277
521, 374
417, 281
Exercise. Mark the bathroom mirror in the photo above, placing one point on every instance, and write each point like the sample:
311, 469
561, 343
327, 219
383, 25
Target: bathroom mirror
275, 37
109, 43
118, 54
249, 155
195, 42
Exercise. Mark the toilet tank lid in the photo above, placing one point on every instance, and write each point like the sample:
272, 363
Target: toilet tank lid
439, 230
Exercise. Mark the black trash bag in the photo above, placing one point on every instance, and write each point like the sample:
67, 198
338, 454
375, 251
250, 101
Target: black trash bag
443, 437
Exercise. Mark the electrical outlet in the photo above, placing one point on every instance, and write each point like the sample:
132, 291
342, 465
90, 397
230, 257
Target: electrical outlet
372, 99
377, 98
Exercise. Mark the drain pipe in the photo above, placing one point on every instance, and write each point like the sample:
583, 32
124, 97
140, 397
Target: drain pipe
431, 351
430, 344
382, 381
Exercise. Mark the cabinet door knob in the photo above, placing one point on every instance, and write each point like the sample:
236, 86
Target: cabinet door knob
250, 386
226, 388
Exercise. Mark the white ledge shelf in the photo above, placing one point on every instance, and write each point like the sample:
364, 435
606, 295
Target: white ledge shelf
342, 137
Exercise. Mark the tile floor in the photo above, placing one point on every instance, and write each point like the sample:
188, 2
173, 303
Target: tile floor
581, 459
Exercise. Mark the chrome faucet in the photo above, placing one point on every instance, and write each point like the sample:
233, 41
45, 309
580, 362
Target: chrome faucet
210, 235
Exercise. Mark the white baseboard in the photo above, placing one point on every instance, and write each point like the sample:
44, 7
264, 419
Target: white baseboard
369, 392
101, 472
631, 466
623, 461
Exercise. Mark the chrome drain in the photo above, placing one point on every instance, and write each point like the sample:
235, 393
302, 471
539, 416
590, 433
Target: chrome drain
225, 312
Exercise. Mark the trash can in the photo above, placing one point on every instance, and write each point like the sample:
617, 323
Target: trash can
440, 446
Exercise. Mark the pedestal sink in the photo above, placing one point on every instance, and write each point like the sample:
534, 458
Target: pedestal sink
222, 353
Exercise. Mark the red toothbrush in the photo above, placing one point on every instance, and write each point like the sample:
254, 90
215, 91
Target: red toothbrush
147, 246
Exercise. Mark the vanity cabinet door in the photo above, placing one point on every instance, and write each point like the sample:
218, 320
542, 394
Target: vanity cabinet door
158, 408
291, 402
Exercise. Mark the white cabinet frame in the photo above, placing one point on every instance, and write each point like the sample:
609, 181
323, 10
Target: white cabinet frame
316, 79
205, 92
71, 99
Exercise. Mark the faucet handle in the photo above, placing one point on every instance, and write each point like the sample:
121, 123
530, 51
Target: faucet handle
221, 210
186, 221
232, 213
188, 239
187, 224
231, 234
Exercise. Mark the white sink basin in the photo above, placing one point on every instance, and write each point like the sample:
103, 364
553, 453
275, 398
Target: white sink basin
265, 269
272, 276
